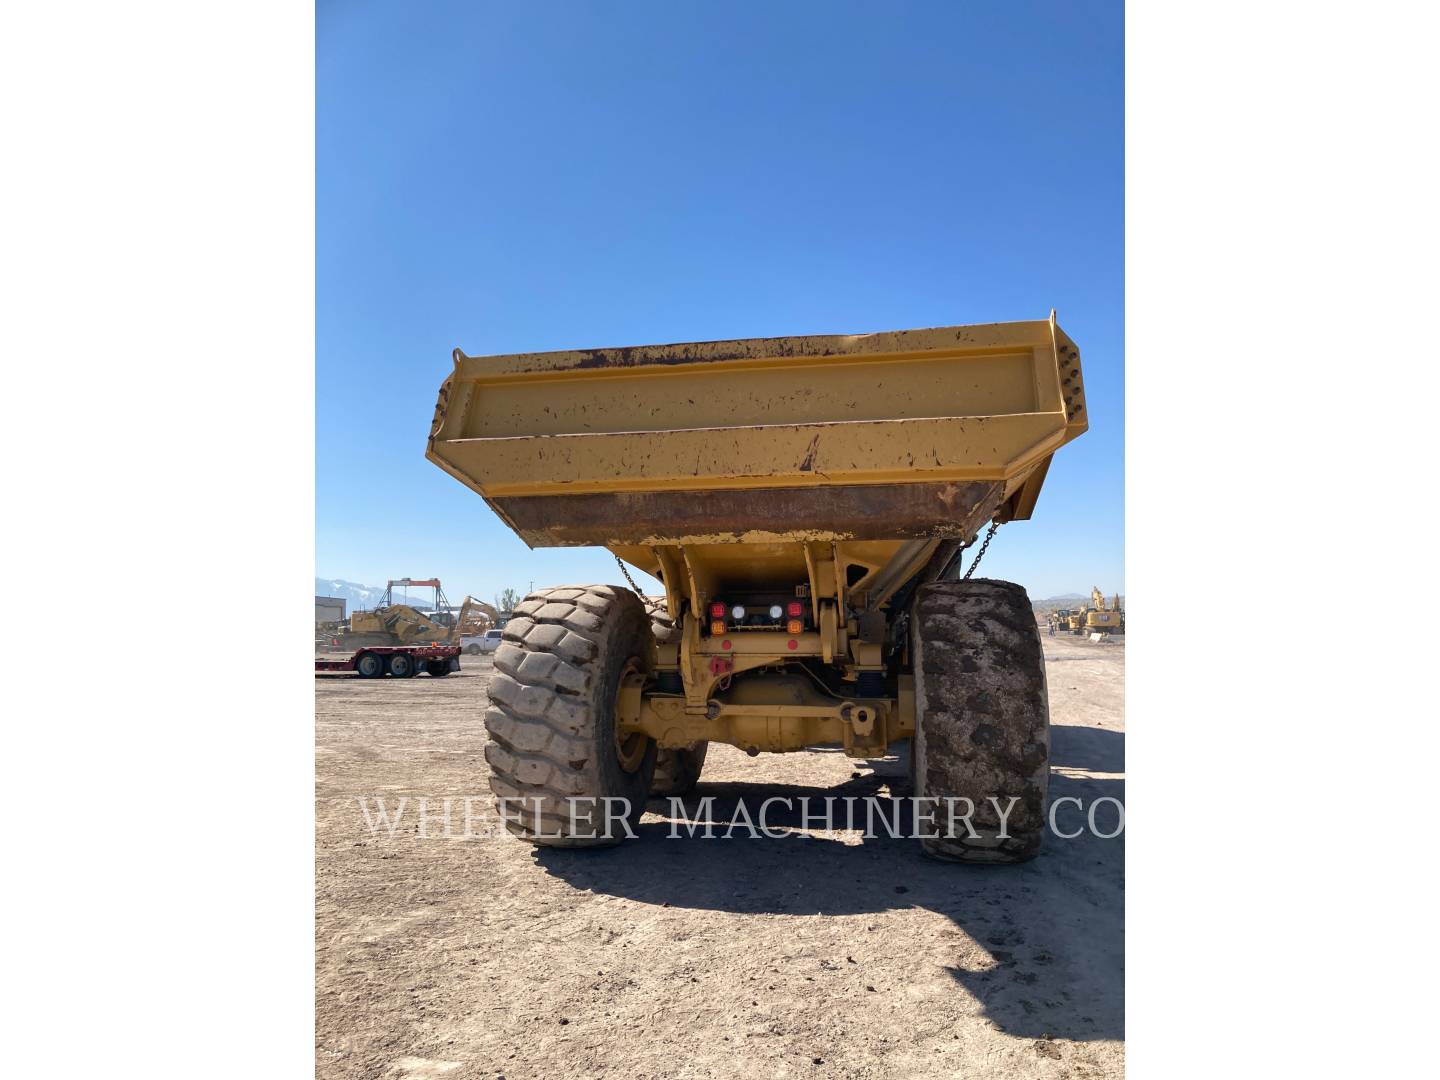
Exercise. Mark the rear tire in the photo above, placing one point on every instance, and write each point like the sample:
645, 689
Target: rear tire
369, 665
438, 669
676, 771
400, 665
552, 717
982, 719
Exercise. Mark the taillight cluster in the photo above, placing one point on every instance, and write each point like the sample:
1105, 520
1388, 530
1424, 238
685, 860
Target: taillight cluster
717, 617
723, 615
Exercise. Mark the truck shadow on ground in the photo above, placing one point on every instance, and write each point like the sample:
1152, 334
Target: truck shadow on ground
1050, 933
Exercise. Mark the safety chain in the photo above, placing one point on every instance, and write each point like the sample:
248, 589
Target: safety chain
988, 537
628, 578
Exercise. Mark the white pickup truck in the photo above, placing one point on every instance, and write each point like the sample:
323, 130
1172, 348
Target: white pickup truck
475, 644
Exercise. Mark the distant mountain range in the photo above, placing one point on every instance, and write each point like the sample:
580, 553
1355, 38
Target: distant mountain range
1070, 600
359, 597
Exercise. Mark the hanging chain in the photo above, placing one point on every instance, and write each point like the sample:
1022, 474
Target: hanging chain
630, 579
990, 535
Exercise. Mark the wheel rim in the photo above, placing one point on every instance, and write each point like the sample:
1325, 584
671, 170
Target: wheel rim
629, 751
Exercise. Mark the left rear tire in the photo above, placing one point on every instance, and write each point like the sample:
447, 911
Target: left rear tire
553, 751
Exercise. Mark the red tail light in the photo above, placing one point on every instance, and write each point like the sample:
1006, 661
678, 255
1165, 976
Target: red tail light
717, 609
795, 609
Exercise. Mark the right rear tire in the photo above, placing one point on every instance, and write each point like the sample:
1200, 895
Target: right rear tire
553, 751
369, 665
982, 720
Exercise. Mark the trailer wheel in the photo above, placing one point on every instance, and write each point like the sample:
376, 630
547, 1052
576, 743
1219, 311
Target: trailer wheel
676, 771
400, 666
982, 730
369, 665
553, 752
438, 669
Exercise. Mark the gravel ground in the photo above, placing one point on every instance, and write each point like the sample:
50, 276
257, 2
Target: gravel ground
811, 955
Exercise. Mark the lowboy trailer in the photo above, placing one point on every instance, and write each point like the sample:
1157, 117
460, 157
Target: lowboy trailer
400, 661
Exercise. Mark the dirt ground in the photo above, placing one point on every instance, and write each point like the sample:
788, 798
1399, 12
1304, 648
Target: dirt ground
804, 956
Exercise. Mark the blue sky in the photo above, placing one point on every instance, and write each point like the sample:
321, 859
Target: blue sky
507, 177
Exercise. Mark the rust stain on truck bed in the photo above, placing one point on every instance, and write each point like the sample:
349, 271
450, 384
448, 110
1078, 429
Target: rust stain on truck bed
846, 512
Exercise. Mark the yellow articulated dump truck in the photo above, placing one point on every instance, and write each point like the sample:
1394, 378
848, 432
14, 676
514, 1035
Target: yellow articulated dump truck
806, 502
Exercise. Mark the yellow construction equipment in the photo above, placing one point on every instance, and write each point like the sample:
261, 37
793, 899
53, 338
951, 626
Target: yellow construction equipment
806, 503
1100, 619
392, 623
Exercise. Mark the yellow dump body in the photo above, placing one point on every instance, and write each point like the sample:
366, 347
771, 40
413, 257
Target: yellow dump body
889, 437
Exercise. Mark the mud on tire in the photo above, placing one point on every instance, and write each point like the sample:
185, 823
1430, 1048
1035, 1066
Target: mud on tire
982, 717
552, 715
676, 771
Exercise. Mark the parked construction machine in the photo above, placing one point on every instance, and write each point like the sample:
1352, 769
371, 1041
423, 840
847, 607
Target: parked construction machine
1100, 619
391, 623
1074, 621
806, 503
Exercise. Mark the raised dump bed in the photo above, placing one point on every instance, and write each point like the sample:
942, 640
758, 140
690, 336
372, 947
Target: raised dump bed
802, 499
864, 436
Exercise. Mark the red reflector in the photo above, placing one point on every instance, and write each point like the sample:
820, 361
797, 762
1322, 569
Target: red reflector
725, 644
717, 609
794, 644
795, 610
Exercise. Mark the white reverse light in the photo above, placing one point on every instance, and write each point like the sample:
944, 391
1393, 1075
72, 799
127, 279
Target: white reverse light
737, 612
776, 611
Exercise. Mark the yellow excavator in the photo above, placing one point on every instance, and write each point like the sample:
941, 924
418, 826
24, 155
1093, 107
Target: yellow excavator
1100, 619
403, 624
